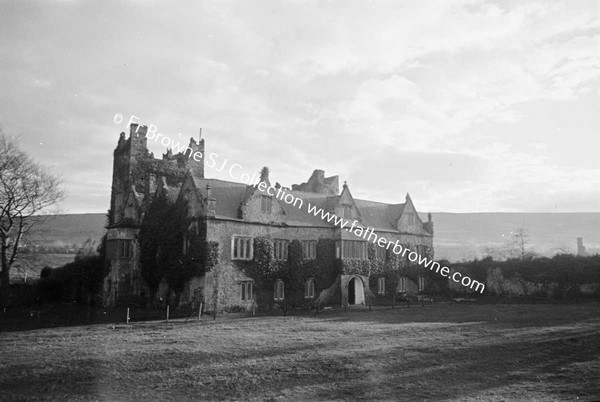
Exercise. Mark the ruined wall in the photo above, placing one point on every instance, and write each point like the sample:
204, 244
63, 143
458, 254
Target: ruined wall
318, 183
135, 167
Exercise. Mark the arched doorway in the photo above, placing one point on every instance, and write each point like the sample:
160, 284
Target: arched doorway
356, 292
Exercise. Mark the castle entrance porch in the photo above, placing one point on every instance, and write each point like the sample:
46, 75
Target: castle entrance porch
356, 291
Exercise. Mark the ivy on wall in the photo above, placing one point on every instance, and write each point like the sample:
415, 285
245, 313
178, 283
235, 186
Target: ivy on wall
212, 255
161, 247
324, 270
295, 272
263, 269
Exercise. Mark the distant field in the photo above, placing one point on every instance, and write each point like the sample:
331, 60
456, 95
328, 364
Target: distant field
466, 235
61, 230
35, 263
455, 352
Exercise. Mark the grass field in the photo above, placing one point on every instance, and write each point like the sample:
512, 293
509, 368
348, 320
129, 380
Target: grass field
439, 352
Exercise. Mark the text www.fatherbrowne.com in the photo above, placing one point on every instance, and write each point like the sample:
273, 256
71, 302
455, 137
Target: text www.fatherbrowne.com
366, 233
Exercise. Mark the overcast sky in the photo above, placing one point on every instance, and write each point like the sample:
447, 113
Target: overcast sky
467, 105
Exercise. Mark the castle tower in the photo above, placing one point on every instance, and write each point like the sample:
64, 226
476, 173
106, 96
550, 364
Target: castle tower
194, 155
137, 177
125, 169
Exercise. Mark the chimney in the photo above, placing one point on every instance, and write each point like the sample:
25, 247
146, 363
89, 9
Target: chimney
211, 202
428, 226
264, 175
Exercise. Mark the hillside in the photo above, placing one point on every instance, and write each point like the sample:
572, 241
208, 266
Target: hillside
66, 230
465, 236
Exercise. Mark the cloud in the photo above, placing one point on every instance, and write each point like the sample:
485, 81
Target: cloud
446, 95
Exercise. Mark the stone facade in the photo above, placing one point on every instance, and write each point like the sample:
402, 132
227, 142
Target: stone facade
232, 215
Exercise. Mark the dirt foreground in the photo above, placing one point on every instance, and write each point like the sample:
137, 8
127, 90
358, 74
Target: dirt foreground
439, 352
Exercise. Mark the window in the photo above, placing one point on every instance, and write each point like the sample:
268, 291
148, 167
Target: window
309, 290
406, 261
353, 249
380, 253
401, 285
410, 218
421, 283
193, 228
265, 205
246, 290
112, 249
280, 250
186, 245
422, 251
381, 286
347, 211
126, 249
279, 290
309, 250
241, 248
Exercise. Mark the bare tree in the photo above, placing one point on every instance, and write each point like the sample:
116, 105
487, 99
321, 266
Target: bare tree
515, 247
560, 249
520, 240
518, 245
27, 189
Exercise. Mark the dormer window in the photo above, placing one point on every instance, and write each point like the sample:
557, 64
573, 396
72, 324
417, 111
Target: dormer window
347, 211
266, 205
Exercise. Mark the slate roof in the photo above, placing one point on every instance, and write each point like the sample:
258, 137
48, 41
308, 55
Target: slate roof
300, 216
230, 195
379, 215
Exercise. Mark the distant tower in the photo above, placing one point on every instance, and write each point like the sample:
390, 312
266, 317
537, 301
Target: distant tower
580, 247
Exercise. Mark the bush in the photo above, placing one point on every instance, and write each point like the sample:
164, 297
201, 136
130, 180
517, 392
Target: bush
79, 281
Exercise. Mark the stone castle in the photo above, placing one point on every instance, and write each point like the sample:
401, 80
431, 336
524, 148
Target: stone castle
234, 216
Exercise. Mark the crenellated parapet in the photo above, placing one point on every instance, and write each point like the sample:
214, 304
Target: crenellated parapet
134, 167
